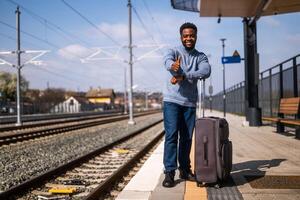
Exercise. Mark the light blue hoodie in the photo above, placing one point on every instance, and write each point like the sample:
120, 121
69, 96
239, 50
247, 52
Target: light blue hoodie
194, 65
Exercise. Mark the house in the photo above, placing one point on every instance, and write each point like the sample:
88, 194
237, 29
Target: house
72, 105
104, 99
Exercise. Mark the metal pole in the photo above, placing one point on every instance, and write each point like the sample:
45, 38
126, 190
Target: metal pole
200, 98
203, 102
210, 94
224, 93
295, 77
125, 91
131, 121
146, 100
19, 122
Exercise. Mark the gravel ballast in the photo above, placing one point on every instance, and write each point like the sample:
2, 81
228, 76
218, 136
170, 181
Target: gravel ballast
22, 161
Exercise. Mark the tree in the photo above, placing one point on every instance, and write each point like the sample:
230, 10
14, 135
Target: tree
49, 98
8, 85
53, 95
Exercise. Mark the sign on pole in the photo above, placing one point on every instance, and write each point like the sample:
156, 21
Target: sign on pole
235, 58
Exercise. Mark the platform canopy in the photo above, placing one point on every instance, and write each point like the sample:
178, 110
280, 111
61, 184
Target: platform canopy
237, 8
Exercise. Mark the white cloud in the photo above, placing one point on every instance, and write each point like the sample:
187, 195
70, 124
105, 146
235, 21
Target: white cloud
149, 73
118, 32
294, 39
271, 21
74, 51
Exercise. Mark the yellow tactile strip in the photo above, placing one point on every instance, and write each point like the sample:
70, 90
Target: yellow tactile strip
192, 192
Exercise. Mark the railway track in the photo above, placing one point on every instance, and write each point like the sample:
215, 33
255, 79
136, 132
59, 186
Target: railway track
51, 128
47, 122
92, 175
6, 120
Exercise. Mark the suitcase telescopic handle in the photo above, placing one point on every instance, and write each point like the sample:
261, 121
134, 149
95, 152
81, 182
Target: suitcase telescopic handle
205, 141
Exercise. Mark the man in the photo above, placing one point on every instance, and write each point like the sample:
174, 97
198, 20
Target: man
184, 65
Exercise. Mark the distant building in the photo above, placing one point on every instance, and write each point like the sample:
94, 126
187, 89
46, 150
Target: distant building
102, 98
154, 100
119, 101
73, 105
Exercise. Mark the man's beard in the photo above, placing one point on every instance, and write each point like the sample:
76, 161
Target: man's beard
188, 48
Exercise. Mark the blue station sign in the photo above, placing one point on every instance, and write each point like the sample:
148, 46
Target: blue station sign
231, 59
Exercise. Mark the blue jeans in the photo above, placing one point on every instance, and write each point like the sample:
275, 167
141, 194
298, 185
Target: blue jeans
178, 121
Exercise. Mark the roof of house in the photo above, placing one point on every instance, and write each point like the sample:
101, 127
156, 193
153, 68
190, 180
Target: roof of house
82, 100
99, 92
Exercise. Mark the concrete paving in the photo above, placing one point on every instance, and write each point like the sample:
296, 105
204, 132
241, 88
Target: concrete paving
144, 182
256, 151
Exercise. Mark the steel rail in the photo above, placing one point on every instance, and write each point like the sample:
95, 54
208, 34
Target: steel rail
41, 117
62, 120
17, 137
123, 170
55, 121
36, 181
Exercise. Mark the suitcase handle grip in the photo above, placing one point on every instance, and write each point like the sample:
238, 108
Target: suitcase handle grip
205, 160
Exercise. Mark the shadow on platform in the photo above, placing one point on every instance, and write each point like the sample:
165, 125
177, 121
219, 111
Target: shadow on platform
254, 168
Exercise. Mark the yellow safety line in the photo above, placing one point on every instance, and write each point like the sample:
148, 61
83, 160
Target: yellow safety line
192, 192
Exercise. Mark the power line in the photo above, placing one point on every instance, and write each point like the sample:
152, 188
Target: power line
14, 39
42, 21
7, 36
143, 25
39, 39
91, 23
153, 19
35, 37
29, 34
56, 74
49, 24
147, 71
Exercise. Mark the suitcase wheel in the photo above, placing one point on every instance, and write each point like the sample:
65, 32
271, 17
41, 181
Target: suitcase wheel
200, 184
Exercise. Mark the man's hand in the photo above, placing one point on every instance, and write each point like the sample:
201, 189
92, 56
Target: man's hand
177, 79
176, 65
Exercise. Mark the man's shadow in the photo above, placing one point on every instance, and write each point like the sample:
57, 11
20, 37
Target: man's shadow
253, 168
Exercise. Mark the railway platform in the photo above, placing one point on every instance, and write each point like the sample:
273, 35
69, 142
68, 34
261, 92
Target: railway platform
266, 165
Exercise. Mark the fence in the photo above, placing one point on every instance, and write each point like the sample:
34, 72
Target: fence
280, 81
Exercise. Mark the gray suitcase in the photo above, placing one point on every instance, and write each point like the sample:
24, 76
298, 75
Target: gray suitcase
213, 151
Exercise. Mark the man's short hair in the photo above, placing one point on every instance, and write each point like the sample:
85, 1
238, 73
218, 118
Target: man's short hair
188, 25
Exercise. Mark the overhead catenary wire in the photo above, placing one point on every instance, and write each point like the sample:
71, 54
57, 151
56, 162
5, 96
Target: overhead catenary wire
147, 71
49, 24
143, 25
54, 27
91, 23
153, 19
40, 39
7, 36
145, 28
14, 39
56, 74
79, 75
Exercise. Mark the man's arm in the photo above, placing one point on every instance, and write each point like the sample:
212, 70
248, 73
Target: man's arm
172, 63
177, 79
203, 71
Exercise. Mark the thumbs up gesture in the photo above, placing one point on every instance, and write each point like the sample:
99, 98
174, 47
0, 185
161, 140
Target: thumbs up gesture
177, 79
176, 65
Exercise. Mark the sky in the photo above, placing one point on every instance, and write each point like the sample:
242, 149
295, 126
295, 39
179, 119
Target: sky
73, 30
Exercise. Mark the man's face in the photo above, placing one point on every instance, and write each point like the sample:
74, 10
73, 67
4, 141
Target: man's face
188, 38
